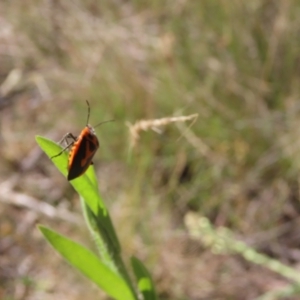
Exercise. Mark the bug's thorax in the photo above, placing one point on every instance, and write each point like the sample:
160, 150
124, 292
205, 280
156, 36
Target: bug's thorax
88, 137
89, 134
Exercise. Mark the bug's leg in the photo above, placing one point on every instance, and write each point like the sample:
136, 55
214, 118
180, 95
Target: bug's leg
68, 135
71, 144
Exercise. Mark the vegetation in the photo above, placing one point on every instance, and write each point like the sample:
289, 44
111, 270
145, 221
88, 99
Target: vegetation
233, 63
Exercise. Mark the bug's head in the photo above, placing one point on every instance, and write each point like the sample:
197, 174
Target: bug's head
91, 129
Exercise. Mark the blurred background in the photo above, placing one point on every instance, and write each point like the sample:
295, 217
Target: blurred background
234, 63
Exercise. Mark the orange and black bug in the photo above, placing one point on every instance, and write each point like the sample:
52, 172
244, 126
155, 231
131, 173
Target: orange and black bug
83, 149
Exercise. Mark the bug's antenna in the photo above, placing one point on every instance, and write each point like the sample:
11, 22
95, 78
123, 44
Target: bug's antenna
103, 123
88, 116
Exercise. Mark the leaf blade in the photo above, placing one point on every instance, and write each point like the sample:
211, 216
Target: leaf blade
145, 282
86, 187
88, 264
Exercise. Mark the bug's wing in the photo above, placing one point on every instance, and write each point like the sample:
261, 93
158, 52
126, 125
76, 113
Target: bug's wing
81, 156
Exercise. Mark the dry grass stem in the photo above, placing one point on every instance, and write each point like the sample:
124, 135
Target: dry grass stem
10, 196
154, 125
12, 80
194, 140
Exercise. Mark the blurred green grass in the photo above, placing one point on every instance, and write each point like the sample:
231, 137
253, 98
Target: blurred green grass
235, 63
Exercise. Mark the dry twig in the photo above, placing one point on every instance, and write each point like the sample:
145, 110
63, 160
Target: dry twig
154, 125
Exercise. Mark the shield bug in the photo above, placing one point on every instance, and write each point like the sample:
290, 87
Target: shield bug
83, 149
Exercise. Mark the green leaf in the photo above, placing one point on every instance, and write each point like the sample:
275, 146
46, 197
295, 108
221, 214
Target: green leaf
82, 184
89, 265
86, 186
145, 282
